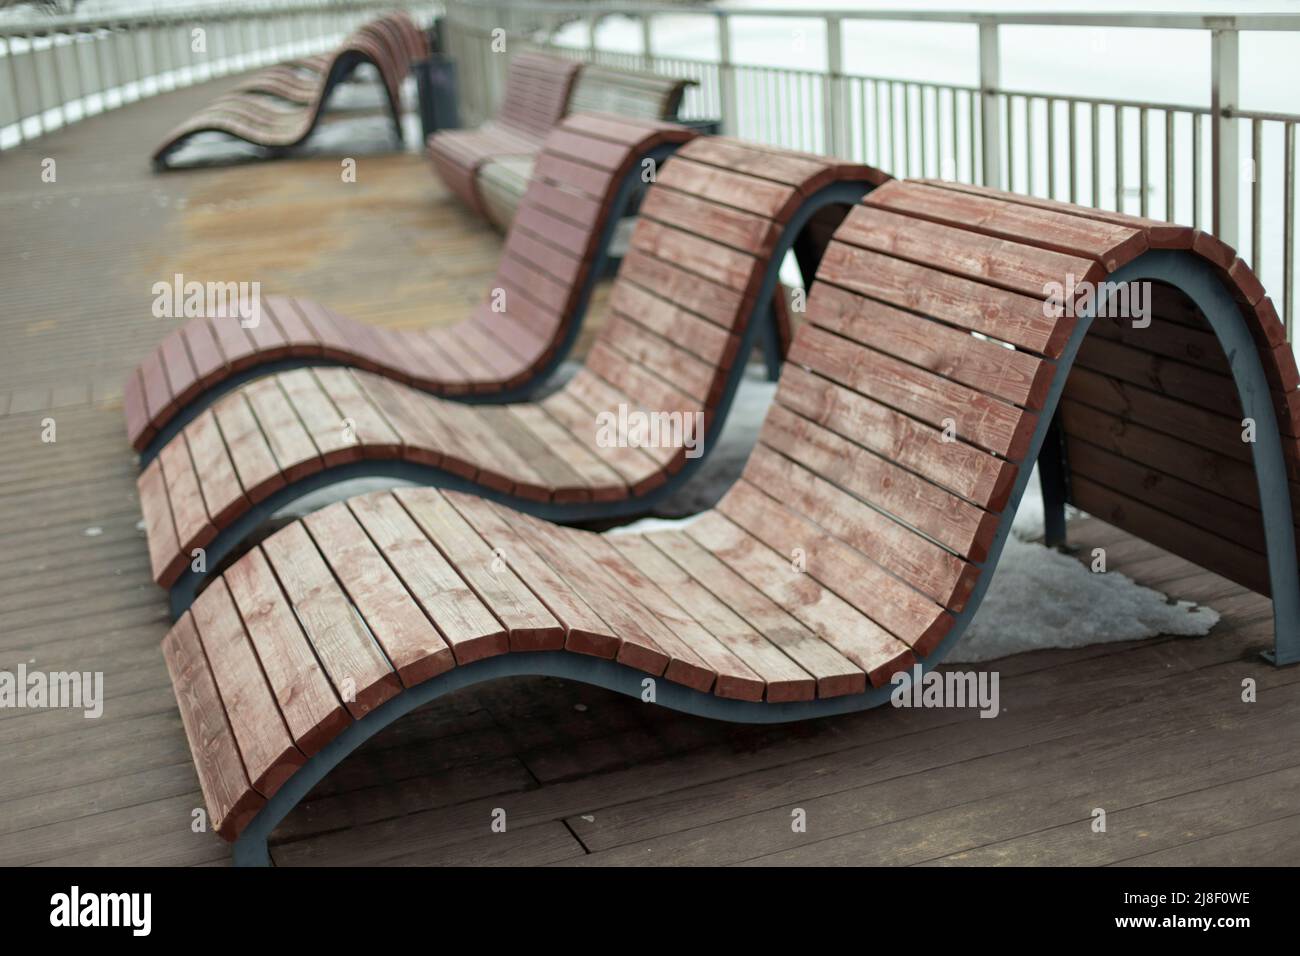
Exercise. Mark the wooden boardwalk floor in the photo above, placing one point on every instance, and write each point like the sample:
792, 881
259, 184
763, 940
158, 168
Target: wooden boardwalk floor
1154, 733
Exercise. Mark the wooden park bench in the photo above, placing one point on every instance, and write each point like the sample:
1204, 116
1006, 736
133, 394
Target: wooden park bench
929, 376
536, 98
500, 180
586, 178
488, 168
281, 107
685, 311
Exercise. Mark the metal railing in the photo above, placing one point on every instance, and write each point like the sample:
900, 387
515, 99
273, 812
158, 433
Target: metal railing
56, 70
1218, 167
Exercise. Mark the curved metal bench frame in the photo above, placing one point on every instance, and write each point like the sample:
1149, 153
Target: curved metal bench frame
228, 541
344, 65
1192, 275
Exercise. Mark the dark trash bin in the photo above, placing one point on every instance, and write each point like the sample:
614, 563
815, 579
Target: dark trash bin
435, 80
705, 127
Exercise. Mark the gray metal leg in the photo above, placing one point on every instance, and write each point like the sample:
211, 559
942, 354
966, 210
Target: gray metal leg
1053, 476
770, 342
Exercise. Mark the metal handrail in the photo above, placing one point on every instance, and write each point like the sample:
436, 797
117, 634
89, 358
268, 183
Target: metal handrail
1126, 154
59, 69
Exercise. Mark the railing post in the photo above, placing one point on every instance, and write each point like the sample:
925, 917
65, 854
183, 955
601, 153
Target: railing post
726, 77
990, 115
13, 85
835, 105
1225, 160
647, 42
593, 24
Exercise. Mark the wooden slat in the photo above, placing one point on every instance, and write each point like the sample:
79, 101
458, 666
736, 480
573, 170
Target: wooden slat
729, 267
1230, 519
265, 746
965, 303
1112, 245
374, 435
319, 417
193, 529
902, 612
1017, 266
645, 643
358, 669
840, 626
585, 631
294, 451
222, 493
309, 705
774, 645
975, 475
947, 518
984, 365
166, 561
699, 618
466, 625
231, 800
724, 186
251, 457
935, 572
978, 418
531, 626
1234, 562
409, 640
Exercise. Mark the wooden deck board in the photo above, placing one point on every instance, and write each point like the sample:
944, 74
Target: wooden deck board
1153, 732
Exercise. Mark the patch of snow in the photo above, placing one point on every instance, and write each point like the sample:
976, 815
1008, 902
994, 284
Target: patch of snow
1041, 598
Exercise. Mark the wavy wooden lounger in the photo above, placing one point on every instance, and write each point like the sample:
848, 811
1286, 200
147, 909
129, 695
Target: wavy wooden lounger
688, 302
500, 180
536, 98
587, 179
277, 111
929, 312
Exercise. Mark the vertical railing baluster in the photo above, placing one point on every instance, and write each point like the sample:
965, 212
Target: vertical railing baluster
60, 94
1142, 160
647, 42
1010, 127
990, 71
954, 153
1094, 199
1169, 166
923, 122
877, 91
1225, 173
972, 108
13, 83
119, 74
1073, 142
1288, 230
1031, 173
860, 114
37, 85
1119, 159
907, 129
836, 111
1256, 184
82, 97
1197, 171
101, 70
726, 73
1051, 148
